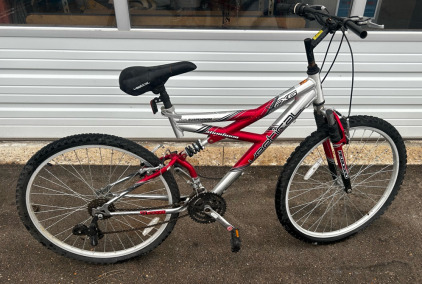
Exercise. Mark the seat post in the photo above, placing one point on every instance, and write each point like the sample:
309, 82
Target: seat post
164, 97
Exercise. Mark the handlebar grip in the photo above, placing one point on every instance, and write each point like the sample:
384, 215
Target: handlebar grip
297, 8
356, 29
285, 8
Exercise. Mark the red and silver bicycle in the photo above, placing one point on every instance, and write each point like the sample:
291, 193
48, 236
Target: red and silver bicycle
103, 199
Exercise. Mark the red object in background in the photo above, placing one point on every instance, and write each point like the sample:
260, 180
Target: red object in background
4, 12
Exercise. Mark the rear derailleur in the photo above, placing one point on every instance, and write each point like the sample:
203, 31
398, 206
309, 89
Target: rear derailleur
93, 232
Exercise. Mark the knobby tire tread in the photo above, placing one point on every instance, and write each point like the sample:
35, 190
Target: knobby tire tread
306, 145
81, 140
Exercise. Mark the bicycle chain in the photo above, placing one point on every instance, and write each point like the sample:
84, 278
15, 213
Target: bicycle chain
193, 212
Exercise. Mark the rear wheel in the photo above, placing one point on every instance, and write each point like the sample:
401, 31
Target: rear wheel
313, 206
60, 185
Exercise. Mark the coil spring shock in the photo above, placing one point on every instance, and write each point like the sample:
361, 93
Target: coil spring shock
195, 148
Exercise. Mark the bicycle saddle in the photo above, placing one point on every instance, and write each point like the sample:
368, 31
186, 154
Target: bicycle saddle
137, 80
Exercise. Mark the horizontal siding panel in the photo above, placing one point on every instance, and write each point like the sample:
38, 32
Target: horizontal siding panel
253, 95
133, 57
332, 98
98, 44
227, 66
52, 87
393, 80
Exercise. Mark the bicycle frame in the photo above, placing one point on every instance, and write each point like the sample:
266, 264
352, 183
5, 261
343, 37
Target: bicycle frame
112, 177
301, 96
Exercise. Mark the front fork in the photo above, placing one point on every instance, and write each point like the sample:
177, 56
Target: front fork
338, 134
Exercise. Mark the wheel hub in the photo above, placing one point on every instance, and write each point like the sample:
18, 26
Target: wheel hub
96, 203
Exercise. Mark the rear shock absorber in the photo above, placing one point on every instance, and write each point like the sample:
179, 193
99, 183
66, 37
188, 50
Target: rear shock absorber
195, 148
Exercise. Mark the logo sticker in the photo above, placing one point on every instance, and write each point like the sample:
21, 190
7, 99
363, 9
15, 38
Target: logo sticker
343, 164
317, 35
141, 85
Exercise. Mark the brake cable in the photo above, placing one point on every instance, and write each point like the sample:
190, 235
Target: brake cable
334, 60
353, 73
326, 52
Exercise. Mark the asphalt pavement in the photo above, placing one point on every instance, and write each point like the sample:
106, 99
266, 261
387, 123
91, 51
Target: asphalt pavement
389, 251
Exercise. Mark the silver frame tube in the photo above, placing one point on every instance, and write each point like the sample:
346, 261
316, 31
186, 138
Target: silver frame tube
147, 196
226, 181
186, 121
167, 211
302, 95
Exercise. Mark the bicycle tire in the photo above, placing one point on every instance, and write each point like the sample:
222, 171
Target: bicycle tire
57, 186
314, 207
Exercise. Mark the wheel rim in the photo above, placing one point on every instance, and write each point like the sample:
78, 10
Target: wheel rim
325, 210
53, 218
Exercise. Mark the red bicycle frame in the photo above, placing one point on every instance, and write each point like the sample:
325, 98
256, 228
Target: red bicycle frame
300, 97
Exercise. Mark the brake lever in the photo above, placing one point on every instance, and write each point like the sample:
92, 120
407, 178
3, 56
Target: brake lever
373, 25
366, 21
318, 7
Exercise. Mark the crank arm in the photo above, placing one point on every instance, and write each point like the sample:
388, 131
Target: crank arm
210, 212
235, 238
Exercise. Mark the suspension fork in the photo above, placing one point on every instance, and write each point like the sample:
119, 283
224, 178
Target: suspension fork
330, 158
338, 138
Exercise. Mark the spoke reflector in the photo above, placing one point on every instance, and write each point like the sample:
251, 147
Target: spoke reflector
313, 169
153, 222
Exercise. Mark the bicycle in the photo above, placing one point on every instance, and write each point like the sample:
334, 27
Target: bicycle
104, 199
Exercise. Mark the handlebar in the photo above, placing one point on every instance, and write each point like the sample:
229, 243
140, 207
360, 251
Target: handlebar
350, 25
304, 10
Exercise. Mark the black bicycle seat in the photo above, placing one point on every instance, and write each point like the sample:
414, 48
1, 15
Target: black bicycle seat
137, 80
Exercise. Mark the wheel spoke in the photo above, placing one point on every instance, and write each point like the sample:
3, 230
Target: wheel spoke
319, 208
58, 192
65, 187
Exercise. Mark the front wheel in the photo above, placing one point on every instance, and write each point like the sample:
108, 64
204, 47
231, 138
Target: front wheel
313, 205
64, 181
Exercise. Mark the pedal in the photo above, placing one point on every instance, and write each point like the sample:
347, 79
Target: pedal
235, 240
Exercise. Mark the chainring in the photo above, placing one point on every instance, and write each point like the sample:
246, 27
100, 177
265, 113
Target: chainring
197, 205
